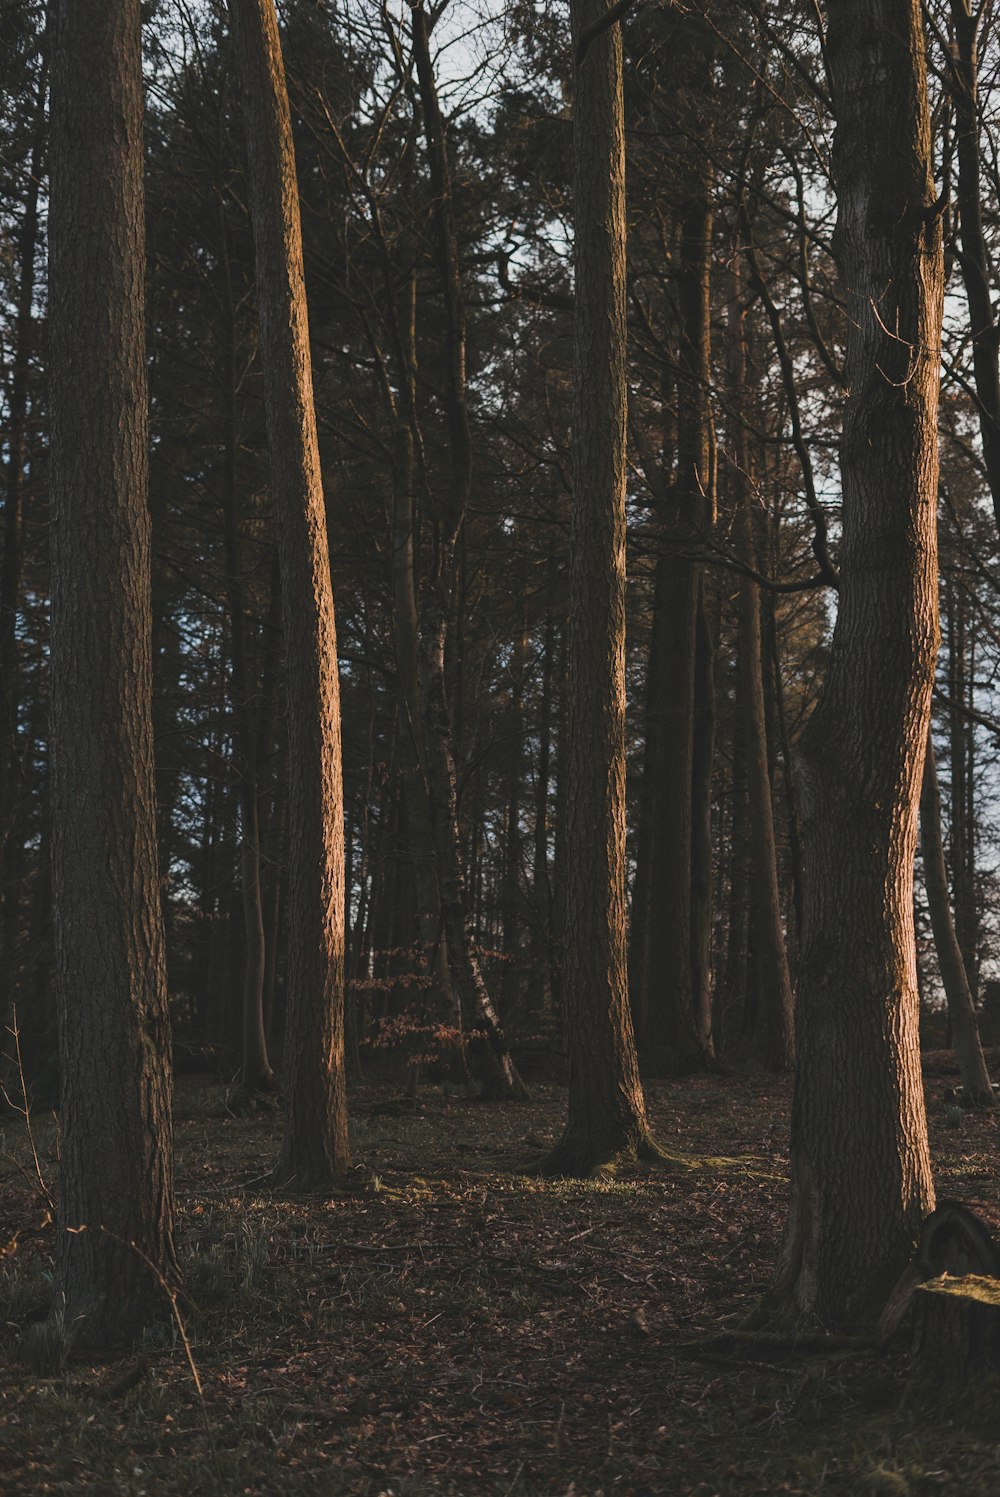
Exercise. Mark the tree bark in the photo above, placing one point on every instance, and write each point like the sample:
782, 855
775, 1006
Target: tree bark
114, 1247
606, 1118
861, 1179
315, 1147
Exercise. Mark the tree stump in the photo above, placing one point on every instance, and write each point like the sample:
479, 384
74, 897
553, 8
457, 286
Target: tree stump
956, 1327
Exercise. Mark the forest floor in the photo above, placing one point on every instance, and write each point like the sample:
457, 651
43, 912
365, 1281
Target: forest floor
458, 1326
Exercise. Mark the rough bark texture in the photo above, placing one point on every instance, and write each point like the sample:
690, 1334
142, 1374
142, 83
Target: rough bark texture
961, 1008
956, 1328
861, 1181
606, 1108
315, 1148
115, 1181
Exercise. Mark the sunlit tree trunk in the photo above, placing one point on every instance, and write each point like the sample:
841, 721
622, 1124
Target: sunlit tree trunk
861, 1179
114, 1245
315, 1147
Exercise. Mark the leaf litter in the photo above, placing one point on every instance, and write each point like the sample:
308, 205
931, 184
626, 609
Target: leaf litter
452, 1323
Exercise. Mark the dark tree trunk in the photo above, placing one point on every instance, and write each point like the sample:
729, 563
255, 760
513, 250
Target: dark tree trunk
255, 1068
776, 1017
315, 1148
447, 520
861, 1179
607, 1118
676, 997
961, 800
11, 566
114, 1247
973, 256
961, 1008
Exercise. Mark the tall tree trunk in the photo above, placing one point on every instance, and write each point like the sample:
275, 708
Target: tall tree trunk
973, 256
255, 1068
447, 521
607, 1117
961, 1007
677, 1031
861, 1178
961, 801
315, 1147
541, 878
11, 565
777, 1024
510, 894
116, 1210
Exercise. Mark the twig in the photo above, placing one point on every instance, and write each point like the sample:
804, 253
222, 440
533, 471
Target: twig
25, 1111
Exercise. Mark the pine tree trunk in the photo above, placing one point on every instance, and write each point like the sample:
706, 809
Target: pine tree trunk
606, 1117
315, 1148
861, 1179
114, 1247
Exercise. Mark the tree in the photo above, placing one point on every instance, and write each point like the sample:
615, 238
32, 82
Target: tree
961, 1007
606, 1118
861, 1180
116, 1214
776, 1024
315, 1148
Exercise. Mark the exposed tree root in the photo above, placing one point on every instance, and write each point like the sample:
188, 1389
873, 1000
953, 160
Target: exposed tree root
575, 1158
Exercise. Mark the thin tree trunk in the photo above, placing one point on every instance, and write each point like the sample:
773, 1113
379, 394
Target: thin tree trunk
777, 1015
11, 565
961, 1007
315, 1147
255, 1068
973, 255
607, 1118
447, 521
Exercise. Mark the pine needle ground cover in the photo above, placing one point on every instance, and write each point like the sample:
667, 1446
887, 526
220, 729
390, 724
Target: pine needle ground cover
454, 1324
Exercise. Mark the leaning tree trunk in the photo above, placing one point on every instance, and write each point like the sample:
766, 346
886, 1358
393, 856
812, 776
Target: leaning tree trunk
607, 1116
961, 1007
315, 1148
861, 1179
114, 1247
